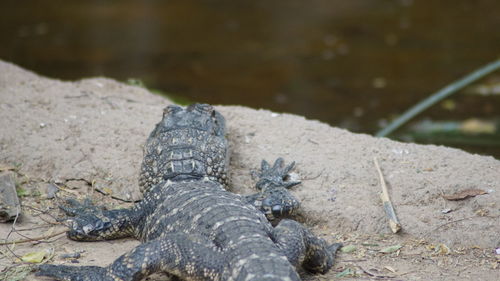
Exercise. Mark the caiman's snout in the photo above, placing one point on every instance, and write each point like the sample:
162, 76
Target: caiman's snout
279, 203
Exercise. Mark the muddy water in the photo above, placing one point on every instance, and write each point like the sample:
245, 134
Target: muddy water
353, 64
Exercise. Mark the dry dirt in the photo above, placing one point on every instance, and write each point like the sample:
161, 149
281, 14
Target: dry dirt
86, 138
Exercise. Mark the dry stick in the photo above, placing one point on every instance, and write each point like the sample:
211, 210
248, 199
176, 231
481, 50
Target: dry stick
33, 239
389, 209
18, 212
450, 222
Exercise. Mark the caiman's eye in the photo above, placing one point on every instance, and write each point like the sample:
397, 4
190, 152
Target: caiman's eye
205, 108
277, 210
171, 109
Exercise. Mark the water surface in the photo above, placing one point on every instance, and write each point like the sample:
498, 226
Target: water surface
353, 64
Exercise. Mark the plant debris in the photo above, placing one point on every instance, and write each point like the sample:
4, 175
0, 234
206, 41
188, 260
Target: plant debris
15, 273
461, 195
348, 249
440, 249
391, 249
346, 272
36, 257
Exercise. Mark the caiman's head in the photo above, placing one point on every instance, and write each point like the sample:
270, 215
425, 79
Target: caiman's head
277, 203
188, 144
196, 116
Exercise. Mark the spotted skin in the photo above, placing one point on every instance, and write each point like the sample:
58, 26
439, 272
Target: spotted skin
189, 225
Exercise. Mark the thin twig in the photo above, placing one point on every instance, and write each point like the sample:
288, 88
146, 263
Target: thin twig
12, 230
389, 209
453, 221
42, 212
33, 239
33, 228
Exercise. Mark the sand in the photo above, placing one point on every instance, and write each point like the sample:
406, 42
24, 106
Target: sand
86, 136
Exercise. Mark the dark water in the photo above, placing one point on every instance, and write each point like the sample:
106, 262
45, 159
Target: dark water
353, 64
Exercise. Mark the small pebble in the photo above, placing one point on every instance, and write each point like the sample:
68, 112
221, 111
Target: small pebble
446, 211
52, 189
75, 255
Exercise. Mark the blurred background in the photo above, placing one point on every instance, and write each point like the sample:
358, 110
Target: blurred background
353, 64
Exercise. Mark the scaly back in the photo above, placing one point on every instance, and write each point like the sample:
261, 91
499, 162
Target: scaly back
187, 145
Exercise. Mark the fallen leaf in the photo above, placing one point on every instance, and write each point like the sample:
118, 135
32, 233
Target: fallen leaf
35, 257
21, 192
391, 249
348, 249
464, 194
345, 273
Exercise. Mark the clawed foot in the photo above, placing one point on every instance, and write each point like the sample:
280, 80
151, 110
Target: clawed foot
322, 261
275, 176
73, 273
87, 222
274, 199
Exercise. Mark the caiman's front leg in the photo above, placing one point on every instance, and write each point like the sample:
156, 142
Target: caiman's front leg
174, 253
274, 199
91, 223
301, 246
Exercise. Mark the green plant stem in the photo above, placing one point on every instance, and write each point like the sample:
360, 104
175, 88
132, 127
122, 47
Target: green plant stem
438, 96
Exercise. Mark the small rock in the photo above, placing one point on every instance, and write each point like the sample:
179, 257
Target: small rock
52, 189
9, 202
76, 184
446, 211
75, 255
